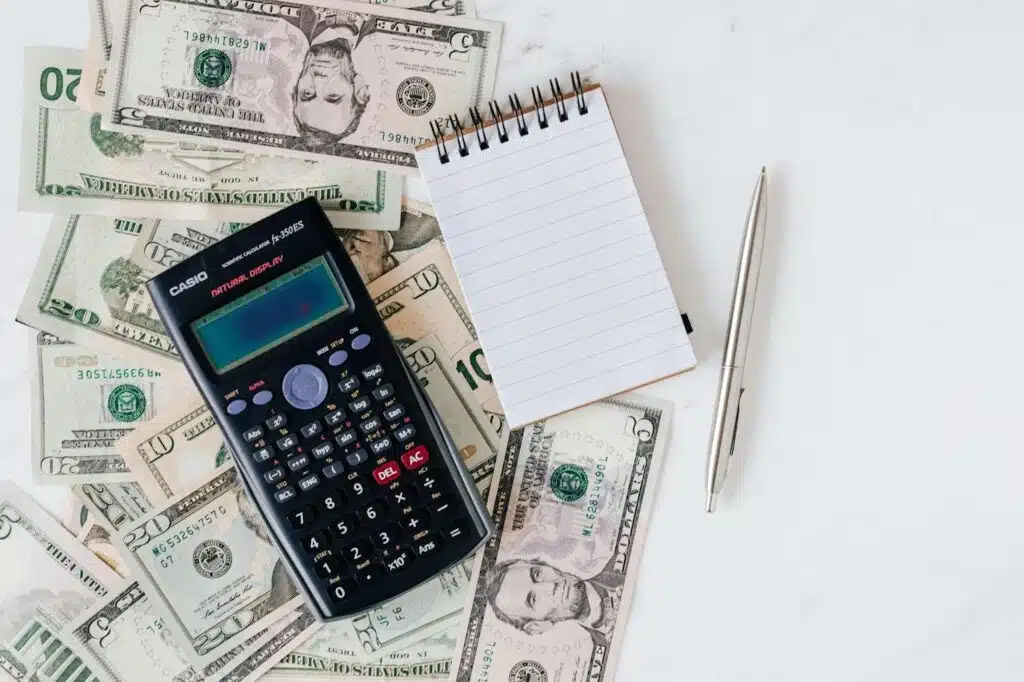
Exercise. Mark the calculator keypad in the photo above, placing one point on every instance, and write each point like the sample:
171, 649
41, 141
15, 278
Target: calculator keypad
360, 493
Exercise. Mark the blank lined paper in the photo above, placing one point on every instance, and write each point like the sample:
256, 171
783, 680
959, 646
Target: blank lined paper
560, 271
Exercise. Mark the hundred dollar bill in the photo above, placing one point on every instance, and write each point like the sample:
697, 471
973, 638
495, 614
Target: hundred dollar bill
551, 588
48, 579
428, 659
97, 540
207, 562
107, 13
84, 289
123, 635
83, 401
113, 505
173, 455
339, 80
70, 165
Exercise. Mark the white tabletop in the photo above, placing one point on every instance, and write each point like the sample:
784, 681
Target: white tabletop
871, 526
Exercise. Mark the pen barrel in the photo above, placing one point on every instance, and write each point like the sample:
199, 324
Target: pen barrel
748, 270
723, 430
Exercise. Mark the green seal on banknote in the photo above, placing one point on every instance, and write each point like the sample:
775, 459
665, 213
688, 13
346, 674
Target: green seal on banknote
126, 403
569, 482
212, 68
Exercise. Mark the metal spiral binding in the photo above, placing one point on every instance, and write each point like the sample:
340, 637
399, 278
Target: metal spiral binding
498, 118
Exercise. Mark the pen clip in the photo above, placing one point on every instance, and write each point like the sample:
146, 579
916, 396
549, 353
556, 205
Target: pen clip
736, 421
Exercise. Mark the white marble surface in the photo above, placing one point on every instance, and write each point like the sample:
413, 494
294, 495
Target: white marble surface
872, 526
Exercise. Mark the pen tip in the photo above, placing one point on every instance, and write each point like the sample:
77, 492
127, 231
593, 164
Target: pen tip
764, 170
709, 503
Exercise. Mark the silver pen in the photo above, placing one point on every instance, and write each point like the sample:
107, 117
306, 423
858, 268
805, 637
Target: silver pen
730, 387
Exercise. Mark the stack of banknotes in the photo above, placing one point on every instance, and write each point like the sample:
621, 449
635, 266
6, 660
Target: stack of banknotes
184, 121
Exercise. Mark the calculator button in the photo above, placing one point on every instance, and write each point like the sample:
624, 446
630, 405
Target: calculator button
346, 438
274, 475
359, 405
373, 371
337, 358
236, 407
426, 545
309, 482
300, 518
383, 392
357, 457
263, 454
255, 433
276, 421
398, 561
357, 489
262, 398
288, 442
442, 506
304, 386
348, 384
386, 472
394, 412
311, 429
373, 512
415, 522
380, 446
284, 495
405, 432
415, 458
321, 450
335, 418
360, 551
343, 527
370, 574
399, 495
334, 469
370, 425
456, 530
332, 503
328, 567
386, 536
343, 590
298, 463
428, 484
361, 341
317, 542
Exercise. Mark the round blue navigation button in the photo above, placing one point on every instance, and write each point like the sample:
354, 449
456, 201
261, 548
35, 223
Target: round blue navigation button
304, 386
236, 407
361, 341
337, 357
262, 398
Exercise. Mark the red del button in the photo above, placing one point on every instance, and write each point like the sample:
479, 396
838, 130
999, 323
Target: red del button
416, 457
386, 473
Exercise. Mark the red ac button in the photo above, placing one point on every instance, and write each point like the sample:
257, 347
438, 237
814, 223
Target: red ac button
416, 457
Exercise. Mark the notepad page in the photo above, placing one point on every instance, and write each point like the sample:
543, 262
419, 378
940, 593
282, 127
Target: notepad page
561, 274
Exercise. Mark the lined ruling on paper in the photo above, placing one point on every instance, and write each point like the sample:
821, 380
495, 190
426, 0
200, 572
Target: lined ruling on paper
560, 270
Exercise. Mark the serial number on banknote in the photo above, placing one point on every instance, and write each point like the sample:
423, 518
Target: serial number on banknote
226, 41
118, 373
189, 530
401, 138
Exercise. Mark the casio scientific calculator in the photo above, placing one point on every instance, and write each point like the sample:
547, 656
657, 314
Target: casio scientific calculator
337, 445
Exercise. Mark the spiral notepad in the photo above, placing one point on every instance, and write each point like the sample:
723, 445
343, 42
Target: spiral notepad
561, 274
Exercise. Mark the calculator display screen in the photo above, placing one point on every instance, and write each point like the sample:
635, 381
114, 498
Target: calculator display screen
270, 315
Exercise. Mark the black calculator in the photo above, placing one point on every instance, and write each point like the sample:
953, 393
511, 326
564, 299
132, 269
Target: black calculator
337, 445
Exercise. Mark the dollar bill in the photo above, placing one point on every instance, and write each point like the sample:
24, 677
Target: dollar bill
84, 289
551, 588
49, 578
113, 505
105, 14
95, 538
428, 659
70, 165
339, 80
207, 562
122, 635
74, 514
83, 401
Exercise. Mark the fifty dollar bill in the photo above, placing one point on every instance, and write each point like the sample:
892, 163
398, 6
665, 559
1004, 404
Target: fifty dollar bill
70, 165
83, 401
571, 500
343, 80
